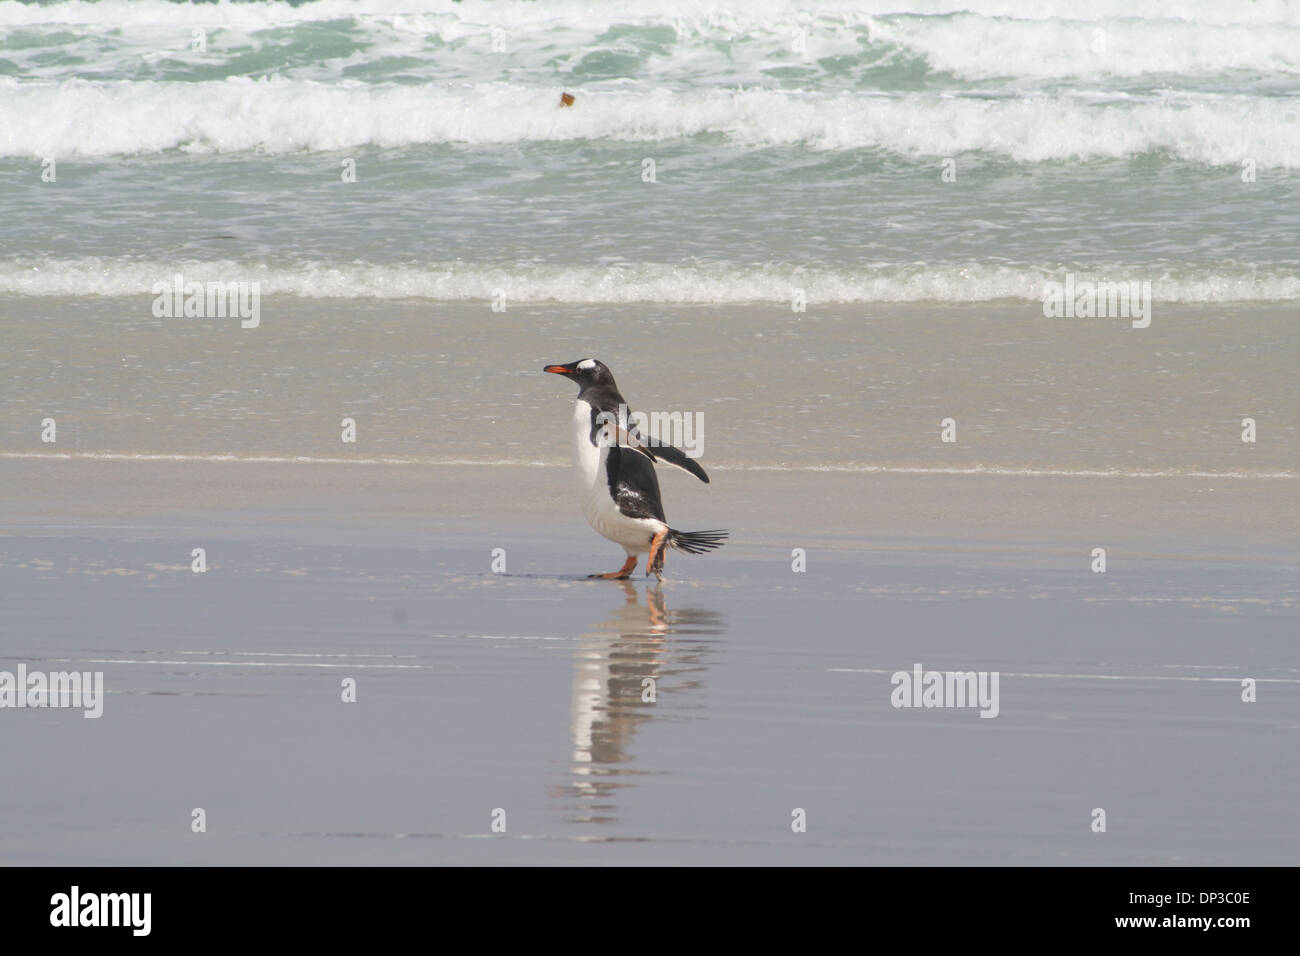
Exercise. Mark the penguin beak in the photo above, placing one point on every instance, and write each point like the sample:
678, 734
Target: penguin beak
560, 369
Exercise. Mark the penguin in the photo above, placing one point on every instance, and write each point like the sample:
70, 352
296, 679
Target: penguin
615, 467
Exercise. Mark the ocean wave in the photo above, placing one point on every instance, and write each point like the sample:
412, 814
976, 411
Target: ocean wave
82, 119
646, 282
979, 48
749, 15
698, 45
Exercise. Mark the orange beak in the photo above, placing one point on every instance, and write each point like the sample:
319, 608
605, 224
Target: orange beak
557, 369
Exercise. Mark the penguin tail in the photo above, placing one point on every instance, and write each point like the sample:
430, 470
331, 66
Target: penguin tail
696, 542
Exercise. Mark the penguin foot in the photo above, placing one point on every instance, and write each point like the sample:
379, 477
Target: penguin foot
655, 563
622, 573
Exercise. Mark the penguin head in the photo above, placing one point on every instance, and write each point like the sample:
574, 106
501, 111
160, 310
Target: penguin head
586, 372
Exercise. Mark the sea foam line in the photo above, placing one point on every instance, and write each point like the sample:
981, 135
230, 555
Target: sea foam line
497, 463
279, 115
703, 283
261, 14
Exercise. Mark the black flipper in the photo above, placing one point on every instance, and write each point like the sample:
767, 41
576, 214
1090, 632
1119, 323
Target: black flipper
675, 456
604, 412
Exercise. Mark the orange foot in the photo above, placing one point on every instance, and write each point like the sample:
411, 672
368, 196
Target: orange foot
624, 572
655, 563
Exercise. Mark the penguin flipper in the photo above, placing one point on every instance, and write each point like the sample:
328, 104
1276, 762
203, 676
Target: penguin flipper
675, 456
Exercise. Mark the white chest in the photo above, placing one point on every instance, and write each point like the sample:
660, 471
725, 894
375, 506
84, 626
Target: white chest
593, 488
588, 459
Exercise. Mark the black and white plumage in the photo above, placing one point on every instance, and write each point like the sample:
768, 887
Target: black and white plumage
615, 467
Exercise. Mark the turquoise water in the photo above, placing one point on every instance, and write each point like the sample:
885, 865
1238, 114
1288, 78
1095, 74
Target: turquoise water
870, 152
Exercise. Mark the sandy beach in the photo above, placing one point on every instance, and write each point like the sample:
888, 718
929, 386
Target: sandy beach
521, 691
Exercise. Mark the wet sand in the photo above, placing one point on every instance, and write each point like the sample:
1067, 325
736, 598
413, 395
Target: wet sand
839, 386
522, 691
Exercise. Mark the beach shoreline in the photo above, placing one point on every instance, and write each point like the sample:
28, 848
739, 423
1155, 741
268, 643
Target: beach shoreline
1235, 516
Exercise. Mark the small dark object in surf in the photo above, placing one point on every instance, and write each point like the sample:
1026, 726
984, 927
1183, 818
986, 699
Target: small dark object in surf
566, 99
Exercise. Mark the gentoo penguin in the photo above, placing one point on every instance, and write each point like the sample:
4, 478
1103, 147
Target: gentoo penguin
616, 474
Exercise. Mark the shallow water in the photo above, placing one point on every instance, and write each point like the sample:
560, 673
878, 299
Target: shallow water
522, 692
793, 147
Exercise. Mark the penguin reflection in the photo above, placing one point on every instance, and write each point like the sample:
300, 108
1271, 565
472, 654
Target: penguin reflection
618, 673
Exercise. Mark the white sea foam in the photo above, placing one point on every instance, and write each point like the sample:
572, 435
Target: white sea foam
693, 44
94, 119
644, 282
119, 13
993, 470
980, 48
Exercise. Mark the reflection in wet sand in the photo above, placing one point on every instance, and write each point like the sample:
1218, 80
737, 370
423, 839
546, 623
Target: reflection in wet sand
623, 668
